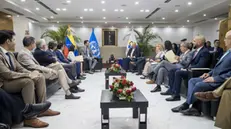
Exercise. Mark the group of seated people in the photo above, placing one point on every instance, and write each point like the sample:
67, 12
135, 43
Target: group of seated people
193, 55
25, 73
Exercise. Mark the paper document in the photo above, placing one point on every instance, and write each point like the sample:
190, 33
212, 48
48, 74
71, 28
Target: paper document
79, 58
154, 63
170, 56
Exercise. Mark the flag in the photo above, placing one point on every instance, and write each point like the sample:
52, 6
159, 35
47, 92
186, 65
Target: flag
94, 46
69, 40
131, 40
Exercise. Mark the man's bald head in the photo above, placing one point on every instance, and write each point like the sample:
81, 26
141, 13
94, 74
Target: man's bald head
228, 39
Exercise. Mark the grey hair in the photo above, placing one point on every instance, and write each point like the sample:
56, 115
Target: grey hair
40, 43
186, 45
201, 37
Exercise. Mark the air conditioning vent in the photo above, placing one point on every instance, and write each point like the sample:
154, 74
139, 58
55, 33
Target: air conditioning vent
153, 12
45, 6
13, 11
167, 1
32, 19
201, 21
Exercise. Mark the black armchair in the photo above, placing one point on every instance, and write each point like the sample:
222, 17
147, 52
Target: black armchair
99, 65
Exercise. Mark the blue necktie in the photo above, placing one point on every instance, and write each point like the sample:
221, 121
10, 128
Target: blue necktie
11, 63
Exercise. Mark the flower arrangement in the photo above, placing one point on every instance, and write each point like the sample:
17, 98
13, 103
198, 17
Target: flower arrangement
123, 89
115, 68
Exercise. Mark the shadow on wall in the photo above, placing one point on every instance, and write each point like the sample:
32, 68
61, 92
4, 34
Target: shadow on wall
106, 51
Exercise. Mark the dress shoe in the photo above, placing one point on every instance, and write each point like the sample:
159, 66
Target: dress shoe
138, 74
81, 78
32, 110
71, 96
166, 93
191, 112
83, 75
173, 98
75, 83
91, 72
180, 108
143, 77
35, 123
206, 96
49, 112
156, 89
79, 89
73, 90
150, 82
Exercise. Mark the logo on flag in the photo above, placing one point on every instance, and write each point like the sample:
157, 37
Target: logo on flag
94, 46
131, 40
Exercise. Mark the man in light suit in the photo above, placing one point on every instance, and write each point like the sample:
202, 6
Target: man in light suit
207, 82
87, 54
26, 59
183, 62
15, 79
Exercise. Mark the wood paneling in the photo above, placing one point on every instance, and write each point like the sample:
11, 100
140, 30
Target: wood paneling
6, 23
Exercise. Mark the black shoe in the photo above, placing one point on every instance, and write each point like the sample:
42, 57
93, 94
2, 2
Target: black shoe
32, 110
143, 77
156, 89
173, 98
138, 74
191, 112
83, 75
180, 108
166, 93
73, 90
71, 96
91, 72
75, 83
80, 90
81, 78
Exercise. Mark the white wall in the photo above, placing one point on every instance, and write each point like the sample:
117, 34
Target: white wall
208, 29
35, 30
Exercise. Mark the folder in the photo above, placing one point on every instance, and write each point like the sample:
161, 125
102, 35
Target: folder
170, 56
79, 58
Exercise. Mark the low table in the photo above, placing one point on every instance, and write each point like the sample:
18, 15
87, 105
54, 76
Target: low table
107, 74
139, 105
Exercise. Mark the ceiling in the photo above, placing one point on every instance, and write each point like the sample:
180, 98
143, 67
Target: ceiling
74, 10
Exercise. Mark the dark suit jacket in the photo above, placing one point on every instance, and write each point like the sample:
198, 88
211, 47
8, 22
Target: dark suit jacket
136, 53
44, 58
222, 70
202, 59
219, 51
61, 57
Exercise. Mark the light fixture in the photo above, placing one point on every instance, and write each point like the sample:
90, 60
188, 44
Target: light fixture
204, 15
8, 16
163, 18
64, 9
68, 1
58, 22
116, 10
142, 10
176, 10
81, 17
103, 10
215, 18
188, 20
102, 2
37, 8
82, 22
44, 18
17, 15
104, 17
85, 10
121, 10
33, 22
189, 3
58, 9
136, 3
147, 10
90, 10
152, 22
127, 18
23, 0
182, 26
52, 17
129, 22
105, 22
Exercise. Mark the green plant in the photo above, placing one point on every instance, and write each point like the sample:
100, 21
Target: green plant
59, 35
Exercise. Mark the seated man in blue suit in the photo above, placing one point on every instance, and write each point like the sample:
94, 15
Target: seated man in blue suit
132, 55
207, 82
201, 59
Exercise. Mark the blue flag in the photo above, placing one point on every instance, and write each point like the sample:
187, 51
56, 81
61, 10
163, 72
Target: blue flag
94, 46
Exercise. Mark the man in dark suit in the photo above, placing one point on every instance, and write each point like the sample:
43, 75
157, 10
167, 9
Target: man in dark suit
216, 49
207, 82
132, 56
200, 59
88, 55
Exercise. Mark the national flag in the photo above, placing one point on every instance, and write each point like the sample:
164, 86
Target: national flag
94, 46
131, 40
69, 40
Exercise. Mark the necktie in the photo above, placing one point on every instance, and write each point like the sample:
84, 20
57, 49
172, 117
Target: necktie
195, 54
10, 60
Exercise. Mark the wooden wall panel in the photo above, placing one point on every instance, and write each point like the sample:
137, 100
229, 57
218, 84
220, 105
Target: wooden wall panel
6, 23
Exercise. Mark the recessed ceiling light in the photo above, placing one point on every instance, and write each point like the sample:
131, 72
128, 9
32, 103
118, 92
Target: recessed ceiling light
147, 10
103, 10
163, 18
23, 0
152, 22
45, 18
116, 10
33, 22
121, 10
136, 3
81, 17
17, 15
176, 10
188, 20
8, 16
91, 10
58, 9
52, 17
127, 18
182, 26
102, 2
68, 1
142, 10
82, 22
85, 10
64, 9
37, 8
129, 22
204, 15
189, 3
58, 22
105, 22
104, 17
215, 18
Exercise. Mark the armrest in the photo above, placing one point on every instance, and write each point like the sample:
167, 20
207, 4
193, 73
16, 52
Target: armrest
200, 69
196, 72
